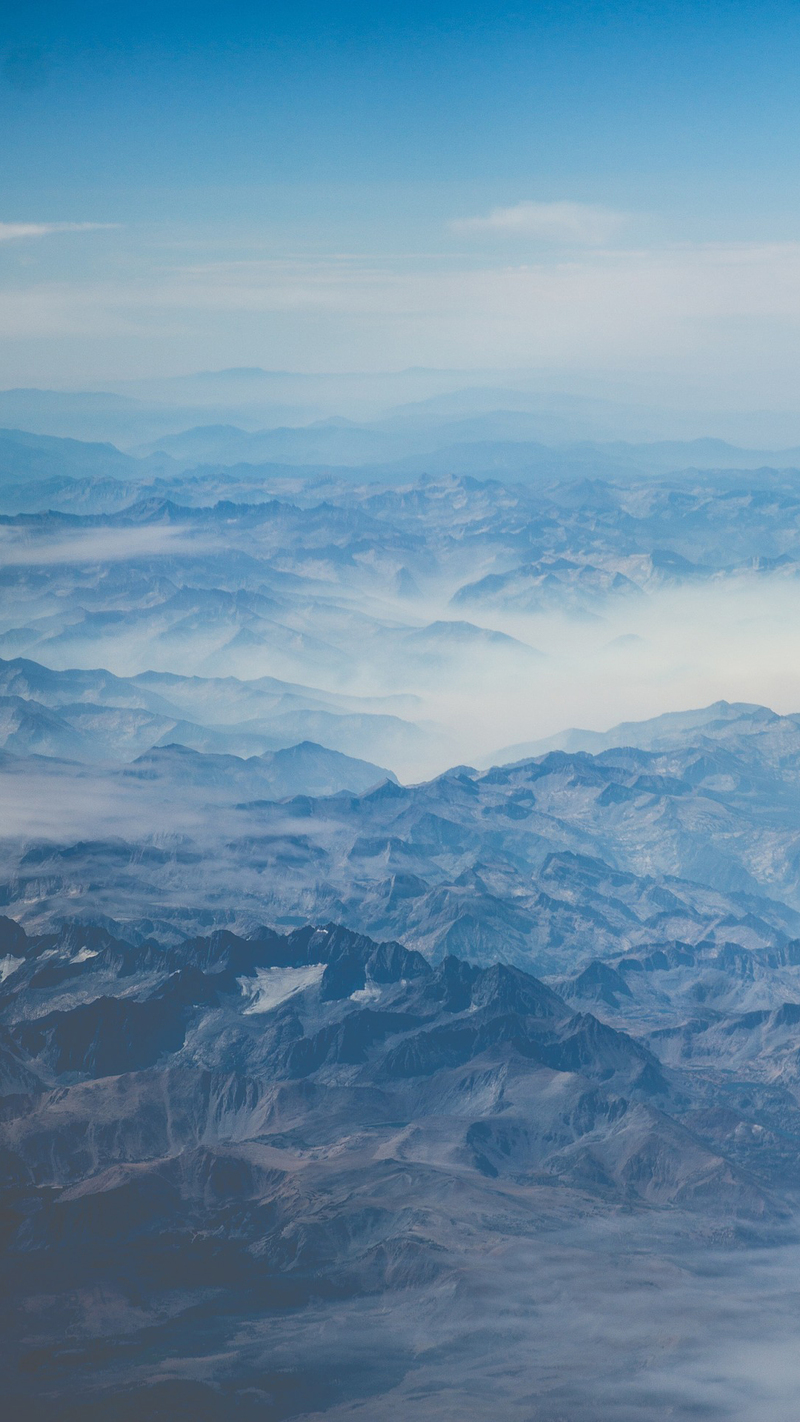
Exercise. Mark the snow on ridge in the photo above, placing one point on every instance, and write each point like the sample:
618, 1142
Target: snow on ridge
273, 986
84, 955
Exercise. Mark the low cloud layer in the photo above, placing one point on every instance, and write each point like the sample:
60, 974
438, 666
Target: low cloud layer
604, 1323
98, 545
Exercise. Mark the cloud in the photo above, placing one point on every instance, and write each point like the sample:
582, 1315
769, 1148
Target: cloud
579, 222
99, 545
14, 231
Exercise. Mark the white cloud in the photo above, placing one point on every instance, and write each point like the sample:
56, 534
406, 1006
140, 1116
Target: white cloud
99, 545
14, 231
579, 222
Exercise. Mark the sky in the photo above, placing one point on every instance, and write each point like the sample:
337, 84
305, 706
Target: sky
601, 193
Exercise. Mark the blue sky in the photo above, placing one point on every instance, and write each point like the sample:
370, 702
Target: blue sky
113, 103
573, 187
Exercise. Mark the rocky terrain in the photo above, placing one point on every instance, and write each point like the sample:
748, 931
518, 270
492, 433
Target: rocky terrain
218, 1150
545, 863
225, 565
367, 1049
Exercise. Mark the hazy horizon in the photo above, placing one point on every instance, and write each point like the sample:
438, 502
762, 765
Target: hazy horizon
596, 193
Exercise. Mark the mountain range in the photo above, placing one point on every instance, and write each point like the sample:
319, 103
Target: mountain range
217, 1150
95, 716
544, 863
426, 590
351, 1068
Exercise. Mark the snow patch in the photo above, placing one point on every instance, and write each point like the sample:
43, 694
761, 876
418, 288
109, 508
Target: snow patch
370, 993
9, 965
272, 986
84, 955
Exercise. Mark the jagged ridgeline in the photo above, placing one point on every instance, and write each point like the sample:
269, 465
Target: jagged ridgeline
218, 1152
546, 862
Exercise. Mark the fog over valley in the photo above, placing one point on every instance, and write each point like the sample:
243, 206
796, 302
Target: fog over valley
479, 612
